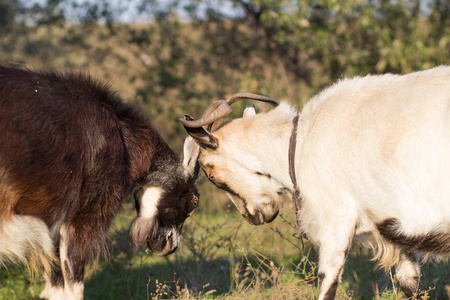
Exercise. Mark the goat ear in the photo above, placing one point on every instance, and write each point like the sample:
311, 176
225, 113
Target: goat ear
203, 137
191, 167
249, 111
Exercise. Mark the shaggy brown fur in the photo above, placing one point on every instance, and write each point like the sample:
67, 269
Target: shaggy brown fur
71, 150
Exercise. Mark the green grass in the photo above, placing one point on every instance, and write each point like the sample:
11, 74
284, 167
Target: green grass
223, 257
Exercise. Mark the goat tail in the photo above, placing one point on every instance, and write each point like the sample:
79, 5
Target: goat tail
26, 240
386, 254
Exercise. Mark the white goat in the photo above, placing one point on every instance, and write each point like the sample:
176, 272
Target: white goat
372, 157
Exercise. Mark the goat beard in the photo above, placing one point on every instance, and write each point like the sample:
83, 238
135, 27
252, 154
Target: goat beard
144, 230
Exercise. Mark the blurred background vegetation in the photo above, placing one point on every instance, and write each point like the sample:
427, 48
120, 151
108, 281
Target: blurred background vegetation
177, 56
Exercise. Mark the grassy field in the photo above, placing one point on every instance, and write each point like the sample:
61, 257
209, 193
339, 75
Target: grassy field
223, 257
177, 68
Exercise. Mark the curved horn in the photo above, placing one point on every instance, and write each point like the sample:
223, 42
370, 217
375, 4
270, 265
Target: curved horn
218, 110
240, 96
215, 113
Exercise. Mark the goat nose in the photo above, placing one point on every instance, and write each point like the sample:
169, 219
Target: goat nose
260, 216
270, 219
256, 219
171, 251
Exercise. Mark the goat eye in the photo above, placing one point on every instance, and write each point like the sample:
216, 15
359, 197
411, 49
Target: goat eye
211, 177
195, 203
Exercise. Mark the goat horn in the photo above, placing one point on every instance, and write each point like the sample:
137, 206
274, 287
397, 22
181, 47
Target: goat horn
218, 110
215, 113
239, 96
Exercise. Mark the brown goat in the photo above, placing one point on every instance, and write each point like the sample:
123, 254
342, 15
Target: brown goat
71, 151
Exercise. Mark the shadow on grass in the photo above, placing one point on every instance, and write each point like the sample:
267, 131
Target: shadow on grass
144, 276
160, 280
205, 266
197, 272
227, 259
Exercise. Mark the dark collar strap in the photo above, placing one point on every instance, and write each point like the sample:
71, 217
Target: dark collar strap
296, 198
292, 146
